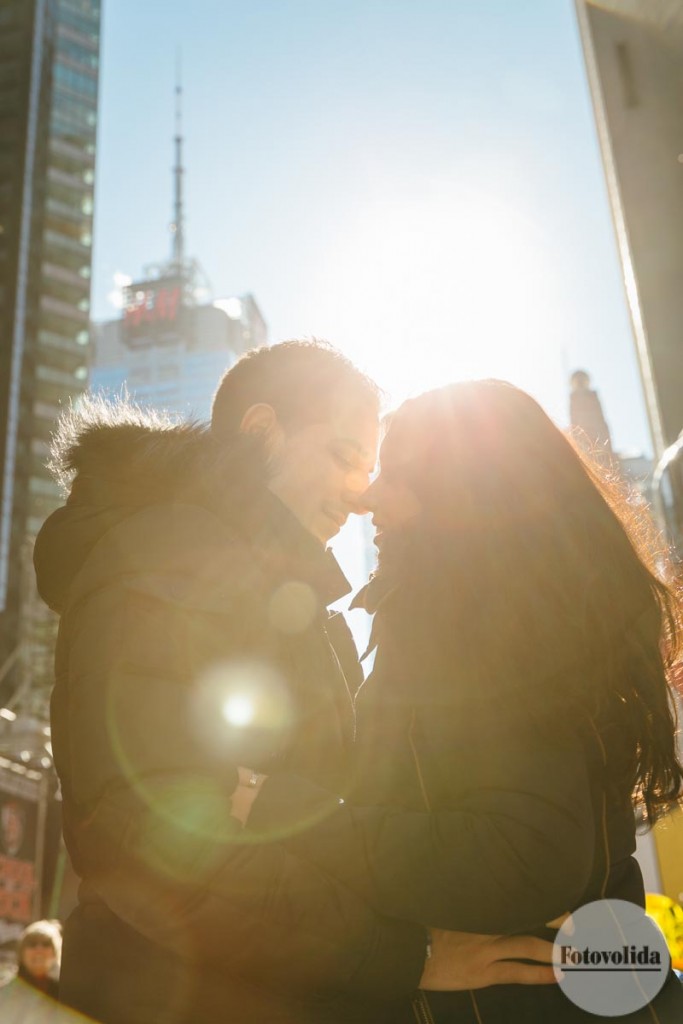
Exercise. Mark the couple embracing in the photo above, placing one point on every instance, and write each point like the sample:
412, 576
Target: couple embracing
261, 836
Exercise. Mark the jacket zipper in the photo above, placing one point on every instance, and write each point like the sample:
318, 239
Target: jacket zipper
422, 1010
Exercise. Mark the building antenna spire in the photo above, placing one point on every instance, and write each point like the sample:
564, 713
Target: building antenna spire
177, 227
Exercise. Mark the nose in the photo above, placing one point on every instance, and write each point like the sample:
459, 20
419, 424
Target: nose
365, 502
355, 488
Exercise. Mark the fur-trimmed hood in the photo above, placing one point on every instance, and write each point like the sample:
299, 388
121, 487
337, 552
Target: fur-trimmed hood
140, 455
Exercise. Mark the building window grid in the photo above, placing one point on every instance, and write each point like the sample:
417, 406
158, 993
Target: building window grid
50, 393
64, 211
71, 195
78, 83
61, 320
75, 276
81, 178
43, 430
66, 241
73, 294
83, 24
52, 375
77, 49
72, 235
60, 342
70, 158
72, 117
63, 363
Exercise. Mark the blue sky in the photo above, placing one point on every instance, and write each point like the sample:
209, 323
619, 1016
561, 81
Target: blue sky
418, 181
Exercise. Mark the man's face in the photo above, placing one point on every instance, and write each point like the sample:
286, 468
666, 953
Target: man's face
320, 470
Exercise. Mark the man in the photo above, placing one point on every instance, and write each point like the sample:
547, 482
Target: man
190, 571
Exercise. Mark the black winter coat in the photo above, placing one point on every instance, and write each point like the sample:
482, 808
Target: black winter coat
175, 599
479, 818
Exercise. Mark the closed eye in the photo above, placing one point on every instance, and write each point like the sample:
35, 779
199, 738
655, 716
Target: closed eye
342, 460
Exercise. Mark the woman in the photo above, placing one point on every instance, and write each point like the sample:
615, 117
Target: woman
519, 700
23, 998
39, 954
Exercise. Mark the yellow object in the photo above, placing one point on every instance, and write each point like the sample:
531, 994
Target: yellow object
668, 915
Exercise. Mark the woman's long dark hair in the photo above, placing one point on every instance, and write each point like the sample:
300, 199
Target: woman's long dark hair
528, 577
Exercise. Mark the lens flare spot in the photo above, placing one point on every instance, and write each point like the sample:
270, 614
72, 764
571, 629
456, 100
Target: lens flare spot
242, 710
238, 710
293, 607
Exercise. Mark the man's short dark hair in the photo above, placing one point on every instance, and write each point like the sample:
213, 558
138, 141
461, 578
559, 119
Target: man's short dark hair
301, 380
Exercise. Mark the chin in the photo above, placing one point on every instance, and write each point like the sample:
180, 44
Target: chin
323, 535
328, 529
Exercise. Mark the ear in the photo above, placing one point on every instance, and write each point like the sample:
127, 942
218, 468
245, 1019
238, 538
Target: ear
261, 419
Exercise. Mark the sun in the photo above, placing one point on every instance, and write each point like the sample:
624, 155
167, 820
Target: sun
446, 285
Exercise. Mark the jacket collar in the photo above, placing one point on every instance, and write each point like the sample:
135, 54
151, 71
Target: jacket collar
286, 548
375, 592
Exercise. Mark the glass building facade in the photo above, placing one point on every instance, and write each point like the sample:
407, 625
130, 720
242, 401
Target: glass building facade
49, 68
176, 368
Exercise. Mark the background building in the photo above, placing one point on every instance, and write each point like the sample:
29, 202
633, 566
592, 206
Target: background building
170, 347
49, 64
168, 356
634, 57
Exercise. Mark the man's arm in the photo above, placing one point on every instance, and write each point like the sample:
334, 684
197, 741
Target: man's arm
513, 851
149, 824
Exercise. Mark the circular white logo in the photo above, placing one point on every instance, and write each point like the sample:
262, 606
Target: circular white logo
610, 958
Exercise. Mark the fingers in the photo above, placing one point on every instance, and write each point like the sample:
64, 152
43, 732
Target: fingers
524, 947
558, 921
510, 973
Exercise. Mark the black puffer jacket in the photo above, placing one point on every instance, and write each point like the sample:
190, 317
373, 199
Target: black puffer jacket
178, 595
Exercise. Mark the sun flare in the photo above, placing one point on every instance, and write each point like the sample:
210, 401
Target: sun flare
447, 285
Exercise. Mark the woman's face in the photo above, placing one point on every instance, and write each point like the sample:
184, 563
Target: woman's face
390, 498
38, 955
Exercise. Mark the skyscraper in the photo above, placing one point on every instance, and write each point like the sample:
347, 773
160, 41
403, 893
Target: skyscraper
49, 65
170, 346
173, 360
634, 58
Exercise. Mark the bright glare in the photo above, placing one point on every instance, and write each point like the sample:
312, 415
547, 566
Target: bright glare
440, 284
115, 296
238, 711
232, 307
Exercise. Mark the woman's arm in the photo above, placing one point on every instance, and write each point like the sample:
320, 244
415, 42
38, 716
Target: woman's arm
512, 848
